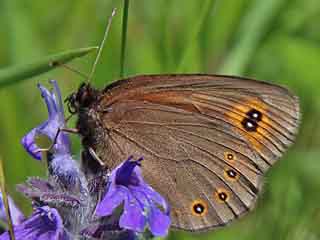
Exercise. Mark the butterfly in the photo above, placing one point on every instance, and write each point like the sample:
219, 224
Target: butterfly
207, 140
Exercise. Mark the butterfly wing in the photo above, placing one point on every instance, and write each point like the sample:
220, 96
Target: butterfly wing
207, 140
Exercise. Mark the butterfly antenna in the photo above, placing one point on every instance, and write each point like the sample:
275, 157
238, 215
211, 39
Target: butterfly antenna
101, 45
71, 69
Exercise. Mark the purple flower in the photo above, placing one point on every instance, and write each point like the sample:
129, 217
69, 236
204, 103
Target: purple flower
140, 200
61, 164
71, 194
44, 224
16, 215
50, 127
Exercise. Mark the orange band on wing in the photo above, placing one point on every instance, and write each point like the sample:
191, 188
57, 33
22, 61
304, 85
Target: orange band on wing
237, 115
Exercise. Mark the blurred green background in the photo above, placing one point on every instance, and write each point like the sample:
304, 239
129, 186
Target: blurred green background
274, 40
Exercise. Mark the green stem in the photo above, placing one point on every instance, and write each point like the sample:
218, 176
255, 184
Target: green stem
5, 200
124, 36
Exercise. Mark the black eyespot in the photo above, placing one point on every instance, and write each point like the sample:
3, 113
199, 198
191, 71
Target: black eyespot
199, 208
249, 125
255, 115
231, 173
223, 196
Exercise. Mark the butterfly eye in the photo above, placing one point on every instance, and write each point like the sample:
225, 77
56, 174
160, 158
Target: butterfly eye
199, 208
222, 195
71, 103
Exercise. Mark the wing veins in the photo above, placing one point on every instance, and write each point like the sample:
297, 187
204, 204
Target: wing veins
216, 157
230, 189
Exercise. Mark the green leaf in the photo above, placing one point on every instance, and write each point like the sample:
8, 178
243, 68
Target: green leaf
15, 74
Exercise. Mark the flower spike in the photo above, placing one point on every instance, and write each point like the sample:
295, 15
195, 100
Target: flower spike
67, 205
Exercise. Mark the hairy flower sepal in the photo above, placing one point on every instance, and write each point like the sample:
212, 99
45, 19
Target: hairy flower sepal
140, 201
44, 224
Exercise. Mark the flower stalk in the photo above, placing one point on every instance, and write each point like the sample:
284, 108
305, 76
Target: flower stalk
6, 201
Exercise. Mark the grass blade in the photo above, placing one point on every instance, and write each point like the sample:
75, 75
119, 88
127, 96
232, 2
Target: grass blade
186, 58
15, 74
124, 36
5, 200
255, 24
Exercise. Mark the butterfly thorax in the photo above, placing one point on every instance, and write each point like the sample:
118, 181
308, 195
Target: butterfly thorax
84, 103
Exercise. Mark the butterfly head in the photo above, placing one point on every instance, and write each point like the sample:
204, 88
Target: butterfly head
82, 98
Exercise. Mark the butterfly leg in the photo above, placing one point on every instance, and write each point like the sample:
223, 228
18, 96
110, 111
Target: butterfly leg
95, 156
68, 130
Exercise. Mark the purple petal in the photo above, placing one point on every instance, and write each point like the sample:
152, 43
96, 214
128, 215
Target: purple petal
57, 96
44, 224
51, 126
28, 142
159, 222
133, 215
155, 197
16, 215
140, 200
124, 174
114, 197
49, 100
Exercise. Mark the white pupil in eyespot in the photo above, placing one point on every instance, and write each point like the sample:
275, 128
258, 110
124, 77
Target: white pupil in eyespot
198, 208
249, 124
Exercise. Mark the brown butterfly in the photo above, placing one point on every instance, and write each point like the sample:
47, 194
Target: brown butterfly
207, 140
